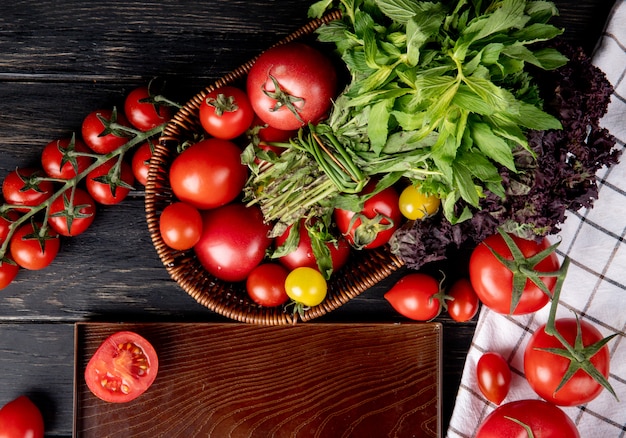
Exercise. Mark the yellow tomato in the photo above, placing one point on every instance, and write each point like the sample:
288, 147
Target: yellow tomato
306, 286
416, 205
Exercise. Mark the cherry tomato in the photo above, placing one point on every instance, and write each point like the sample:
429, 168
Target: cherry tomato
545, 370
233, 241
208, 174
306, 286
291, 85
33, 252
463, 302
375, 224
71, 216
141, 163
266, 284
25, 187
417, 205
122, 368
107, 186
416, 296
180, 225
92, 130
60, 160
269, 134
21, 418
226, 113
544, 419
494, 376
8, 271
145, 115
493, 282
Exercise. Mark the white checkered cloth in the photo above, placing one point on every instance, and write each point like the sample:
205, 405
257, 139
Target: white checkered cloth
595, 287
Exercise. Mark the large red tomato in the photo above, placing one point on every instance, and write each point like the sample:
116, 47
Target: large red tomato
291, 85
544, 370
21, 418
208, 174
233, 241
544, 420
493, 281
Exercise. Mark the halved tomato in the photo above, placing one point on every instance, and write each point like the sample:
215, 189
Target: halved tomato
122, 368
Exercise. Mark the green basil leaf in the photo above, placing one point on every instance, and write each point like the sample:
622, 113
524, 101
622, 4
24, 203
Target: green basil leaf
492, 145
378, 127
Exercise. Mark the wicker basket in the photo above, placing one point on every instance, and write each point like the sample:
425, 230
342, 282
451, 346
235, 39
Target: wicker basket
363, 270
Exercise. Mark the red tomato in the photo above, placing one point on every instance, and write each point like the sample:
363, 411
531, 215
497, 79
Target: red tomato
24, 187
545, 370
233, 242
31, 252
494, 377
145, 115
416, 296
544, 419
71, 216
303, 254
21, 418
266, 284
375, 224
493, 282
59, 159
208, 174
122, 368
107, 186
92, 128
291, 85
180, 225
5, 224
8, 271
269, 134
141, 163
463, 302
226, 113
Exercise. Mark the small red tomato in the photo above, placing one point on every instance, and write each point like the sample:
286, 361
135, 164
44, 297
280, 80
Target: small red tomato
494, 377
72, 213
25, 187
462, 301
8, 271
141, 163
93, 128
31, 251
21, 418
180, 225
416, 296
62, 158
266, 284
110, 187
145, 115
226, 113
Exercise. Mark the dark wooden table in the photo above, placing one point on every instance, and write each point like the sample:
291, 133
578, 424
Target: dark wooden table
61, 59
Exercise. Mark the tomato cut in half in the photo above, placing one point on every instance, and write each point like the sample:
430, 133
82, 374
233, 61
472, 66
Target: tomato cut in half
122, 368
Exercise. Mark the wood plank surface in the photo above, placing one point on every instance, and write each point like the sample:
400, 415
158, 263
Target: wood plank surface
62, 59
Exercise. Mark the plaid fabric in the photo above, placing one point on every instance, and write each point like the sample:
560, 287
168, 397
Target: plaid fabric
595, 287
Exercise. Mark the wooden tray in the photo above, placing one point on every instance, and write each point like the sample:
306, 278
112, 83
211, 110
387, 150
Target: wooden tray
242, 380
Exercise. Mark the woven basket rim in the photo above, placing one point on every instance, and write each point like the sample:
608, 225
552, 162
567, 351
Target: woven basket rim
366, 270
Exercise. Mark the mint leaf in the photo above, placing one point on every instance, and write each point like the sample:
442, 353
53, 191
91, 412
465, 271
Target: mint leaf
492, 145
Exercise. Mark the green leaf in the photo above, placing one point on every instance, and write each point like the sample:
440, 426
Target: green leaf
317, 9
537, 32
467, 99
378, 128
541, 11
532, 117
404, 10
491, 145
550, 59
419, 30
510, 15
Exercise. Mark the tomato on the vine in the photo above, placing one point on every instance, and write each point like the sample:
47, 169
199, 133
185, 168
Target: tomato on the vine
62, 158
180, 225
306, 286
416, 296
416, 205
493, 281
226, 112
32, 249
25, 187
522, 417
463, 302
545, 370
71, 214
266, 284
141, 162
142, 113
291, 85
208, 174
93, 129
110, 187
122, 368
374, 225
494, 376
233, 241
8, 268
21, 418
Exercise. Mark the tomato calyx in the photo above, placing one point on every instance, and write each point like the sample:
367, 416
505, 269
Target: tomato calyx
113, 178
40, 233
523, 268
112, 127
70, 210
283, 99
367, 229
222, 104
